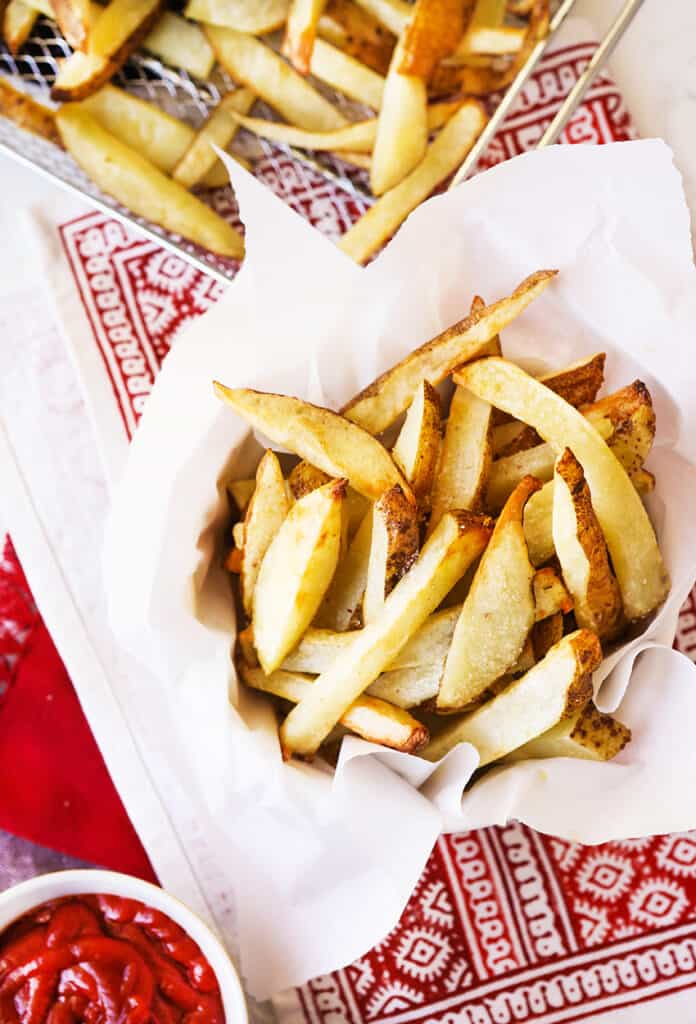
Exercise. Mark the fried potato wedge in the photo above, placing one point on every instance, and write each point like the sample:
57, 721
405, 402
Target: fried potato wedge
490, 40
457, 541
356, 32
342, 607
578, 383
497, 613
402, 127
253, 16
545, 634
433, 32
582, 551
393, 14
241, 492
17, 22
295, 572
322, 437
380, 403
408, 687
346, 74
81, 74
373, 719
550, 594
301, 31
120, 22
74, 21
417, 448
589, 735
393, 548
134, 181
358, 137
27, 113
255, 65
305, 478
264, 517
181, 44
218, 130
553, 690
638, 564
465, 459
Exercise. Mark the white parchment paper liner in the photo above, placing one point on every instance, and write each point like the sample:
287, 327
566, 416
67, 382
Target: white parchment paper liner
321, 865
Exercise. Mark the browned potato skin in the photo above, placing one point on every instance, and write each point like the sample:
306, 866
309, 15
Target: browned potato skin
603, 594
27, 114
545, 634
631, 412
358, 34
402, 532
432, 33
305, 478
601, 732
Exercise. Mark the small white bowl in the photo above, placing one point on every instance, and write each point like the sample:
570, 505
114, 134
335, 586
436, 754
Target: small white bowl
24, 897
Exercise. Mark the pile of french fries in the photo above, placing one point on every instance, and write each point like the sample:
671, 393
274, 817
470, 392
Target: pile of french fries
417, 70
432, 572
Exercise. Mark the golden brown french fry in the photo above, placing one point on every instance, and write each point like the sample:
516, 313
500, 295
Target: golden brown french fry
550, 594
362, 160
582, 551
255, 65
119, 22
181, 44
374, 719
402, 127
17, 22
74, 21
241, 492
498, 612
346, 74
393, 548
489, 40
81, 74
393, 14
128, 176
27, 113
432, 33
296, 571
578, 384
358, 137
320, 436
300, 32
341, 608
305, 478
218, 130
640, 570
589, 735
264, 517
553, 690
457, 541
408, 687
443, 156
465, 460
417, 447
356, 32
253, 16
380, 403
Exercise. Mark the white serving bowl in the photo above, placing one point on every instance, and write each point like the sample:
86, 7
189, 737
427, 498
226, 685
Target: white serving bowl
24, 897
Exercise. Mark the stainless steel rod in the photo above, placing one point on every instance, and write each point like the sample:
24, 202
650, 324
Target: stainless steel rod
599, 58
501, 112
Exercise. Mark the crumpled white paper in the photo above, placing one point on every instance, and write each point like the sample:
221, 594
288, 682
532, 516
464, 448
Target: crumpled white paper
321, 865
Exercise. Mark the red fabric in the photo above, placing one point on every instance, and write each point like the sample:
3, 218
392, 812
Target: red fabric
54, 786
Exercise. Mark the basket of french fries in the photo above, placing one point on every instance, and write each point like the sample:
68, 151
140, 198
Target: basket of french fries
426, 527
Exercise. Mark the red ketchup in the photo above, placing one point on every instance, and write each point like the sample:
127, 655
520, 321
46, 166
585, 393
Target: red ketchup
104, 960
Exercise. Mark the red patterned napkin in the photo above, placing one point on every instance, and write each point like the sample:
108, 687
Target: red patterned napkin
505, 924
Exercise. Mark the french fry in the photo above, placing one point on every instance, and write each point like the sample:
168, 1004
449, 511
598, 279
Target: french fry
432, 33
373, 719
465, 459
346, 74
74, 20
362, 160
490, 41
457, 541
27, 113
241, 492
181, 44
128, 176
589, 735
218, 130
305, 478
256, 66
417, 447
358, 137
300, 32
295, 572
545, 634
253, 16
443, 156
578, 383
553, 690
264, 517
356, 32
81, 74
628, 417
17, 23
498, 612
408, 687
393, 548
119, 23
550, 594
341, 609
582, 551
380, 403
638, 564
327, 440
402, 127
393, 14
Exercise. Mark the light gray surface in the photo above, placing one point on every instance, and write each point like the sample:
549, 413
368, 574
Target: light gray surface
20, 860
